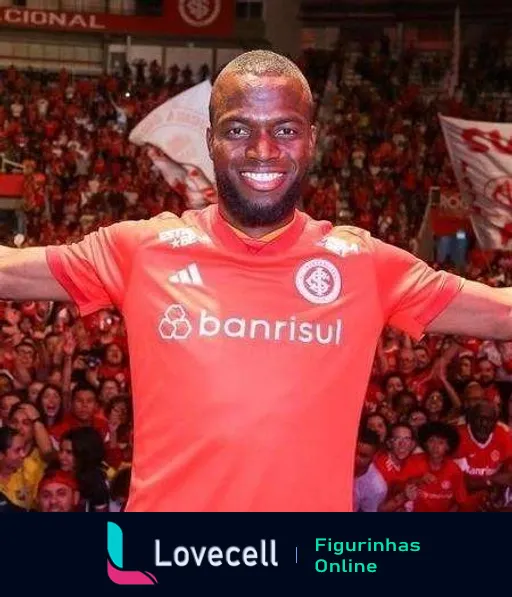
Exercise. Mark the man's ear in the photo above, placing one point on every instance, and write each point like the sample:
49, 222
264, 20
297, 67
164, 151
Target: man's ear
209, 142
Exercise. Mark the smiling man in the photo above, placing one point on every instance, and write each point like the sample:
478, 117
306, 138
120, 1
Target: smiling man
261, 142
252, 328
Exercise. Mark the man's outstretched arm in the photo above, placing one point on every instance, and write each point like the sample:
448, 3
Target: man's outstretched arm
25, 275
478, 311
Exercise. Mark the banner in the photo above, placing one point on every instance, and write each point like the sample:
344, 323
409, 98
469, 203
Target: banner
178, 129
205, 18
205, 554
481, 156
450, 213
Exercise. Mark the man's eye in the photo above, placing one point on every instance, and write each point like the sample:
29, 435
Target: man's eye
286, 132
238, 131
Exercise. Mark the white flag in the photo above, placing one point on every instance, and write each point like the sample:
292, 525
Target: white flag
178, 129
481, 156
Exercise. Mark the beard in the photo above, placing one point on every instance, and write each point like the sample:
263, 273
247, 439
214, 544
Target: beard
254, 215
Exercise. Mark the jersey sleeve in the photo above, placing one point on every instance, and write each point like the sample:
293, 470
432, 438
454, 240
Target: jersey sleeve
412, 293
95, 271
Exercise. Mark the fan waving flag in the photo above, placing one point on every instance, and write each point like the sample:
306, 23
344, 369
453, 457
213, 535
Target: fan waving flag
481, 156
177, 129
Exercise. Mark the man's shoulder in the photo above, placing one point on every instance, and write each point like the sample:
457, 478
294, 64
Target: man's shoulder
347, 241
164, 227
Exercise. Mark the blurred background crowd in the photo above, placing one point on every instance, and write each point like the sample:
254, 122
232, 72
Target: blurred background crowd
434, 433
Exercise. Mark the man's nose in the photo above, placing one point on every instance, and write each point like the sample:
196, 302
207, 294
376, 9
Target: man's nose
263, 147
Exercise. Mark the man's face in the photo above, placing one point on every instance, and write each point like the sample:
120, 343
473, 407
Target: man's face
406, 403
378, 424
485, 372
55, 378
364, 457
22, 423
109, 390
473, 394
57, 497
114, 355
465, 368
84, 405
26, 355
401, 443
12, 459
434, 402
437, 447
422, 359
6, 403
261, 142
482, 421
407, 361
394, 386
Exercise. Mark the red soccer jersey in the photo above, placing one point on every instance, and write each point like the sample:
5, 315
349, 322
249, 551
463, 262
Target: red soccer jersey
391, 472
441, 494
70, 422
484, 459
249, 365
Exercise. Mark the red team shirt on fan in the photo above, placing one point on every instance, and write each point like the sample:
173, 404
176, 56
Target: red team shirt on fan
483, 460
446, 490
390, 470
249, 364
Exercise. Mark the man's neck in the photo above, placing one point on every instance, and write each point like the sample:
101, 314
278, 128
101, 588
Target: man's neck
435, 463
255, 232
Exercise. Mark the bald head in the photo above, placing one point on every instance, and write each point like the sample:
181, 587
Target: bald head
253, 65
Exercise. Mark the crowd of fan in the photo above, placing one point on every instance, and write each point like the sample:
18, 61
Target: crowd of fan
65, 407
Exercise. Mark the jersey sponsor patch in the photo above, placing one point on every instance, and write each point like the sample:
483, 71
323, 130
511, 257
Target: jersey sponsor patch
340, 247
178, 324
181, 237
318, 281
175, 324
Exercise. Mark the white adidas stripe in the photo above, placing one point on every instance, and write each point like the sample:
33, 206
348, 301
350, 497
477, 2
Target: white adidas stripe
189, 275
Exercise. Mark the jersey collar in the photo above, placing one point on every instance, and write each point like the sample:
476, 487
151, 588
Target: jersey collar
270, 244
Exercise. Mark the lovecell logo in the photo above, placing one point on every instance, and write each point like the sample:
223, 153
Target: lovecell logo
116, 573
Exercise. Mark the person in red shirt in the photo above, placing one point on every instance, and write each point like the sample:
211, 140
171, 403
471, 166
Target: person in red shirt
438, 482
84, 413
484, 454
58, 492
486, 376
391, 462
225, 305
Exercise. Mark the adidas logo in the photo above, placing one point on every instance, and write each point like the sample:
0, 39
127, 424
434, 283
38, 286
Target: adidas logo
188, 275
